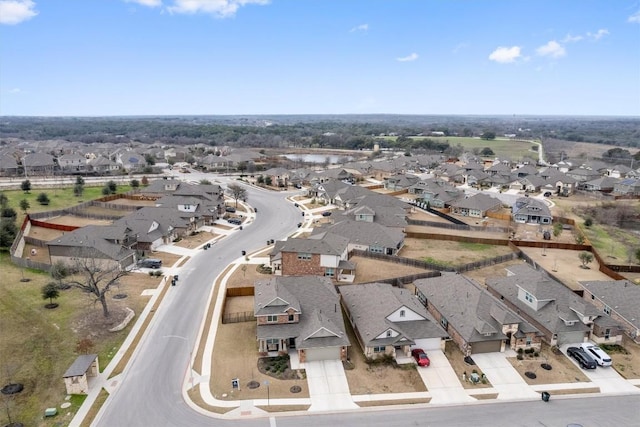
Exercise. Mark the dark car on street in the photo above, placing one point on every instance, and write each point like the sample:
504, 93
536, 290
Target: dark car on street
326, 213
584, 360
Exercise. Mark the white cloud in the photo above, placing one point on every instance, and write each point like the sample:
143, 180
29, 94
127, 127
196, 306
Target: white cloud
408, 58
361, 27
149, 3
219, 8
505, 55
635, 18
460, 46
571, 39
15, 90
552, 49
598, 35
16, 11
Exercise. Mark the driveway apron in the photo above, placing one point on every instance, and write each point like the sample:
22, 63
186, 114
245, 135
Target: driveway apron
328, 387
441, 380
503, 376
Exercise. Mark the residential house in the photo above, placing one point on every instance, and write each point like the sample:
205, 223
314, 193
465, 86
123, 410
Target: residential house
105, 246
279, 176
583, 175
474, 319
621, 171
197, 211
131, 161
476, 206
72, 163
38, 164
322, 254
8, 165
103, 165
604, 184
619, 299
366, 236
300, 314
437, 193
528, 210
400, 182
390, 321
627, 187
155, 226
560, 314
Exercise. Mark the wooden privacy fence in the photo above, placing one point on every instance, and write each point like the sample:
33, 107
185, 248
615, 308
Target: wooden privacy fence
243, 316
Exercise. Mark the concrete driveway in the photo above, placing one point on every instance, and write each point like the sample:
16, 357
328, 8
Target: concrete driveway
328, 387
441, 380
503, 376
608, 379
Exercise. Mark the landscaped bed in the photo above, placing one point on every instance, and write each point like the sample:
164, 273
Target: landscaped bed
562, 369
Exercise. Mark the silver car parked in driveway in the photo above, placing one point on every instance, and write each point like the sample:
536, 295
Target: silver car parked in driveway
597, 354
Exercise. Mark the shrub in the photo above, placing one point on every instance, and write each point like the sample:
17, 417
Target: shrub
520, 350
520, 356
536, 354
588, 222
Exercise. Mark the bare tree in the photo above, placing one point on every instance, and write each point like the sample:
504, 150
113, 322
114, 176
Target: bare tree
237, 192
95, 276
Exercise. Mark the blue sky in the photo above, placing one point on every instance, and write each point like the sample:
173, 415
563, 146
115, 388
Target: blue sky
170, 57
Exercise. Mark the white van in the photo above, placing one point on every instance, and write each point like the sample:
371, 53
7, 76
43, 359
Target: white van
599, 355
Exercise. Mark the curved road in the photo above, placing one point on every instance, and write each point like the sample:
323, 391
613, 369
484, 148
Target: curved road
149, 393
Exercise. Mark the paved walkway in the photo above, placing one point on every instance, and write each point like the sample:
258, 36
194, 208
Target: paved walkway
504, 378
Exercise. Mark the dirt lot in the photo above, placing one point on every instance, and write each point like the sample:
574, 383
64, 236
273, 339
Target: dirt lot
97, 210
191, 242
562, 369
77, 221
369, 270
565, 265
130, 202
456, 359
450, 253
627, 363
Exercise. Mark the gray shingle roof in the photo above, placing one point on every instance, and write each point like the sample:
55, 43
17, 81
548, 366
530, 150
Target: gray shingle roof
321, 323
469, 309
370, 304
623, 296
80, 365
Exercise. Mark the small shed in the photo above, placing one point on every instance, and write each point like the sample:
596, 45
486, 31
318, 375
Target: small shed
75, 378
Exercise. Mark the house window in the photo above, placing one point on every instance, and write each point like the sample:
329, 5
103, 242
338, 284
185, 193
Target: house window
272, 318
388, 334
272, 344
330, 272
607, 310
304, 256
528, 341
528, 297
376, 249
593, 296
444, 322
402, 313
291, 318
379, 349
187, 206
607, 333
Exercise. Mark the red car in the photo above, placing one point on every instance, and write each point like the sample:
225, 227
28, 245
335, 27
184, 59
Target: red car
420, 356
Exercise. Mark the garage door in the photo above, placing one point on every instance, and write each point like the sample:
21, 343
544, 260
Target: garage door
570, 337
427, 344
323, 353
485, 347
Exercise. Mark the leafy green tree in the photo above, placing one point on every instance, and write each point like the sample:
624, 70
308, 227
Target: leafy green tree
585, 258
557, 229
487, 151
26, 186
149, 159
488, 135
105, 190
205, 182
267, 180
135, 183
260, 179
8, 231
78, 189
43, 199
24, 205
4, 200
79, 180
113, 187
50, 291
7, 212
